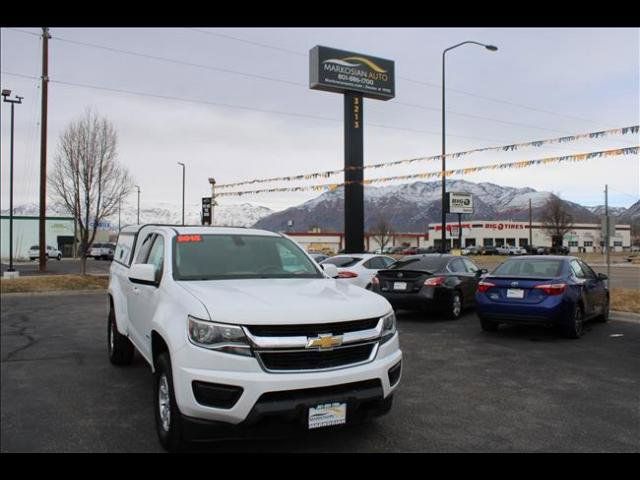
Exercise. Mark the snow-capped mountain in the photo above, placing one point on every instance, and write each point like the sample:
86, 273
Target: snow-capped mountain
599, 210
411, 207
240, 215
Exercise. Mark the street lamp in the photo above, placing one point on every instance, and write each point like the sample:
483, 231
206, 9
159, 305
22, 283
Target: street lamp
5, 98
444, 215
183, 169
138, 204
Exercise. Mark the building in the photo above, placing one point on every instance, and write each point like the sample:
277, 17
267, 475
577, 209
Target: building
59, 233
583, 237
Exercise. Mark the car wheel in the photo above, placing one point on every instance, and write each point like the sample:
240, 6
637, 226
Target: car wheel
574, 327
168, 418
604, 316
119, 347
59, 257
455, 306
489, 325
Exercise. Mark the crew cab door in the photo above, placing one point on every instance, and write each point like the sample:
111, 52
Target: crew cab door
143, 298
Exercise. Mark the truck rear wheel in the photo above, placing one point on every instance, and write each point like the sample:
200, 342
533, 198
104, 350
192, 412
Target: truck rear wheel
119, 347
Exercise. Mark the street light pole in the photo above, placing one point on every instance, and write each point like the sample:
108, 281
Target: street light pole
444, 150
138, 222
183, 169
5, 97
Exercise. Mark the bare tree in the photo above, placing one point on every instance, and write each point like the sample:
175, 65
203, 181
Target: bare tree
382, 231
87, 178
555, 218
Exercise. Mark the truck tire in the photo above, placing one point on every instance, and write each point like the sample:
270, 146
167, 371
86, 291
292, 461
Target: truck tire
168, 417
119, 347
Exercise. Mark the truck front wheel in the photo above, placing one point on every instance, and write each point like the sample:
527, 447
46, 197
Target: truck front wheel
168, 418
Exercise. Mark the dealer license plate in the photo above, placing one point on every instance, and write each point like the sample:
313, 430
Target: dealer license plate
515, 293
327, 415
399, 285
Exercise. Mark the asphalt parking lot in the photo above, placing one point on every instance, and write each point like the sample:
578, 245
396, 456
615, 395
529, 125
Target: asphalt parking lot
64, 266
463, 390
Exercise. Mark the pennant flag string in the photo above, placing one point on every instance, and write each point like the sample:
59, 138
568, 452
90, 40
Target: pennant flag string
460, 171
506, 148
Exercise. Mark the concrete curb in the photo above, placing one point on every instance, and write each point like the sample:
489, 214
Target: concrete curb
624, 316
55, 293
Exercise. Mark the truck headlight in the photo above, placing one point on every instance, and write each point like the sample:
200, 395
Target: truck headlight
218, 336
388, 327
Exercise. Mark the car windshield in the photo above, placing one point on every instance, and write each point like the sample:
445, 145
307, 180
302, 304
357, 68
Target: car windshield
96, 245
343, 261
546, 268
35, 247
217, 257
425, 263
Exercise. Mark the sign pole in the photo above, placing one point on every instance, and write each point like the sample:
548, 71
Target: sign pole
353, 174
607, 240
354, 75
460, 231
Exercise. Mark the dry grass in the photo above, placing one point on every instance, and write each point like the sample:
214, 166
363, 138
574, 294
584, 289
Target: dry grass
51, 283
625, 300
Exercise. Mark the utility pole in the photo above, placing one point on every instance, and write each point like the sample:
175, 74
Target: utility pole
459, 231
42, 240
119, 209
530, 232
607, 233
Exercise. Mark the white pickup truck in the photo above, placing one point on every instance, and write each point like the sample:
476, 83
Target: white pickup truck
240, 326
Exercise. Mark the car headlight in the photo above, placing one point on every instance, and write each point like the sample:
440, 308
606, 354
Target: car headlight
218, 336
388, 327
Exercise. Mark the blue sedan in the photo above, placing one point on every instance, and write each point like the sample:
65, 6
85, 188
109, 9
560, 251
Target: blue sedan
551, 290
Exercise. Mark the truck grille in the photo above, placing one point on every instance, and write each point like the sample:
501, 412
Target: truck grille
311, 330
315, 359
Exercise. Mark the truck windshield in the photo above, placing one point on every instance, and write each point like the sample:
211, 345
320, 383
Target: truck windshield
217, 257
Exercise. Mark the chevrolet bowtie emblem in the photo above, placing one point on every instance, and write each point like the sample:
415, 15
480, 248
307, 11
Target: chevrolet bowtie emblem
324, 341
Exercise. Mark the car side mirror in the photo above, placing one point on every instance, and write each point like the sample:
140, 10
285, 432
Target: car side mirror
602, 276
330, 269
481, 272
144, 273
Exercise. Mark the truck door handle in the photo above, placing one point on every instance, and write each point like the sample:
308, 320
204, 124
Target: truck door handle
136, 290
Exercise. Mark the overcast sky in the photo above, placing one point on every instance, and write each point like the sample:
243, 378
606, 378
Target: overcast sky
541, 83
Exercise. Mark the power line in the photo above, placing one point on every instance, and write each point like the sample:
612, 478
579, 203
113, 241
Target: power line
287, 82
241, 107
285, 50
408, 79
178, 62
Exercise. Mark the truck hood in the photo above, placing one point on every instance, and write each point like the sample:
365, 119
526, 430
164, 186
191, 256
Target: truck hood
286, 301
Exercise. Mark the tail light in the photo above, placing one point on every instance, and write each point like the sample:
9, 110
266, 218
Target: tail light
484, 287
375, 281
434, 281
347, 274
552, 288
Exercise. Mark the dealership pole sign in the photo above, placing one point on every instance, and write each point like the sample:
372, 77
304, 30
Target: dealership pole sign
356, 76
459, 202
